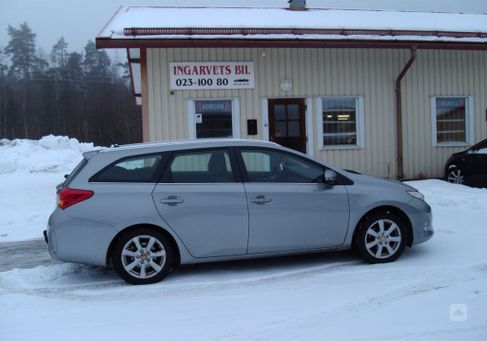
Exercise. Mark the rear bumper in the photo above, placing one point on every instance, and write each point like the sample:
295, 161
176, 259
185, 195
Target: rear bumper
76, 240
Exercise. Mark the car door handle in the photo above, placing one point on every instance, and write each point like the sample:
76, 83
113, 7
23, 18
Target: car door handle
260, 200
172, 200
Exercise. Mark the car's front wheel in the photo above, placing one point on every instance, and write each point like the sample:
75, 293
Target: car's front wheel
142, 256
381, 237
455, 175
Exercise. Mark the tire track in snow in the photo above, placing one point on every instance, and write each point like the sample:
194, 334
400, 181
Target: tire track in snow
443, 280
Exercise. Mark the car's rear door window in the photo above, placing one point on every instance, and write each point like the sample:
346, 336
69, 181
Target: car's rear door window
142, 168
207, 166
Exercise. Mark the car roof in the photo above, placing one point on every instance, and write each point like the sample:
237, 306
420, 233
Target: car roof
187, 144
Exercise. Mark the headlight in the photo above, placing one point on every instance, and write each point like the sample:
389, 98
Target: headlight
417, 195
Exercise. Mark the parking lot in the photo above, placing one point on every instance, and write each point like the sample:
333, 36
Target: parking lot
436, 291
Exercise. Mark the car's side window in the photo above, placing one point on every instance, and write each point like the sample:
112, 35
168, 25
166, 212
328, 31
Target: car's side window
141, 168
263, 165
207, 166
482, 149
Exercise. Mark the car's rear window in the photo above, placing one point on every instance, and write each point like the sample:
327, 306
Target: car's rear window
143, 168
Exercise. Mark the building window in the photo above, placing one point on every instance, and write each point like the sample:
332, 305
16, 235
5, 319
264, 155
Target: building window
341, 122
214, 118
451, 120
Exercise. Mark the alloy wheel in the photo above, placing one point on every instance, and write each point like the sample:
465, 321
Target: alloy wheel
383, 238
143, 256
455, 176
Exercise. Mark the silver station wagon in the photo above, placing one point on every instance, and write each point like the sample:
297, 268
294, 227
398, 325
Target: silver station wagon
146, 208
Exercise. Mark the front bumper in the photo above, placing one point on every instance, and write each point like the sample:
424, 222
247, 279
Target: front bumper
422, 221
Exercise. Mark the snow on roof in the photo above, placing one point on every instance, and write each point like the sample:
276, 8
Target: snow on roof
144, 17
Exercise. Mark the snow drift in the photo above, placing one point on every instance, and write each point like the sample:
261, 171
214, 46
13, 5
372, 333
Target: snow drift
29, 173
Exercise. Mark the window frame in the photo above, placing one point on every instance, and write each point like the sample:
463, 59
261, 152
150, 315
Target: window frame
341, 179
469, 129
155, 178
359, 124
191, 107
237, 177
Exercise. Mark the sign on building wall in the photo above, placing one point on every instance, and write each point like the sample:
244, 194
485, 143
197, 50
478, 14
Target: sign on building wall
211, 75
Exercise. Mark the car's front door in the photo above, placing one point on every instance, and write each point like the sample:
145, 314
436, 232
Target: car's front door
290, 208
203, 200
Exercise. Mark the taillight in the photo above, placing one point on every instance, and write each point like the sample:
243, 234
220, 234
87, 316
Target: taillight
69, 196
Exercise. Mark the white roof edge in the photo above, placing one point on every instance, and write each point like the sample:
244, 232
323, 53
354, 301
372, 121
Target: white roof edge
119, 10
314, 18
307, 8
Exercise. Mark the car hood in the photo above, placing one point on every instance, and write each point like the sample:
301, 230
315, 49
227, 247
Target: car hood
377, 181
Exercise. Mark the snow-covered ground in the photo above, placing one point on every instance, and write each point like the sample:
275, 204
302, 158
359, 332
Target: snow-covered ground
435, 291
29, 173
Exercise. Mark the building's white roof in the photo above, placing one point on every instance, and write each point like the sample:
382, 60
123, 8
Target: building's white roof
262, 18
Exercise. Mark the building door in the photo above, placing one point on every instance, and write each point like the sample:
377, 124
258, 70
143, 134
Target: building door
287, 123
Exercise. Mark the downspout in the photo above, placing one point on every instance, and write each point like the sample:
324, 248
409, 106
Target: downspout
407, 66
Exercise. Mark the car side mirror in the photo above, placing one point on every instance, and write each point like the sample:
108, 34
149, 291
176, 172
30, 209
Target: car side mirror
330, 177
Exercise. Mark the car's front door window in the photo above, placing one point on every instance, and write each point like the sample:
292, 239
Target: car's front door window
273, 166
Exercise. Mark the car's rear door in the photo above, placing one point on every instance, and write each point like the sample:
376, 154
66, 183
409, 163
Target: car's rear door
202, 199
289, 209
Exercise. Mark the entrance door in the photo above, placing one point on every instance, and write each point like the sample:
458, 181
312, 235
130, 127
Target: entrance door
287, 123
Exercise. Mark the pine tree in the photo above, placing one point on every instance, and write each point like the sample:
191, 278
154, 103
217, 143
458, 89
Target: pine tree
96, 62
74, 65
59, 54
22, 50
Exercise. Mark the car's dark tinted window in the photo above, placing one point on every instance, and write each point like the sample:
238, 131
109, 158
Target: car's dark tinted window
132, 169
482, 148
208, 166
271, 166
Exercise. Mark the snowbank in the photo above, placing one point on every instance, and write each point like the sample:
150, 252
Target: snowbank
29, 173
51, 154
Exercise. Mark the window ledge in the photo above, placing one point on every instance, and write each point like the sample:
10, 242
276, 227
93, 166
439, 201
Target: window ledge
453, 144
341, 147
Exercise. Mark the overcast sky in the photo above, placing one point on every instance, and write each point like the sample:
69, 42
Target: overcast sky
79, 21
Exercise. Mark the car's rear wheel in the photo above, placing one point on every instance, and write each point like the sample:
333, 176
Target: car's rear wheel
455, 175
381, 237
143, 256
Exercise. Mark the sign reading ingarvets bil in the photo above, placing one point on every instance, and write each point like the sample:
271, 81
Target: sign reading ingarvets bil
211, 75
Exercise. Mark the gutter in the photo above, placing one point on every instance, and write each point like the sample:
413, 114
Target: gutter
224, 42
397, 89
245, 31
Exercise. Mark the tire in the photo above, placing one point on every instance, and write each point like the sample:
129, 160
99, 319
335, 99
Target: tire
143, 256
381, 237
455, 175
